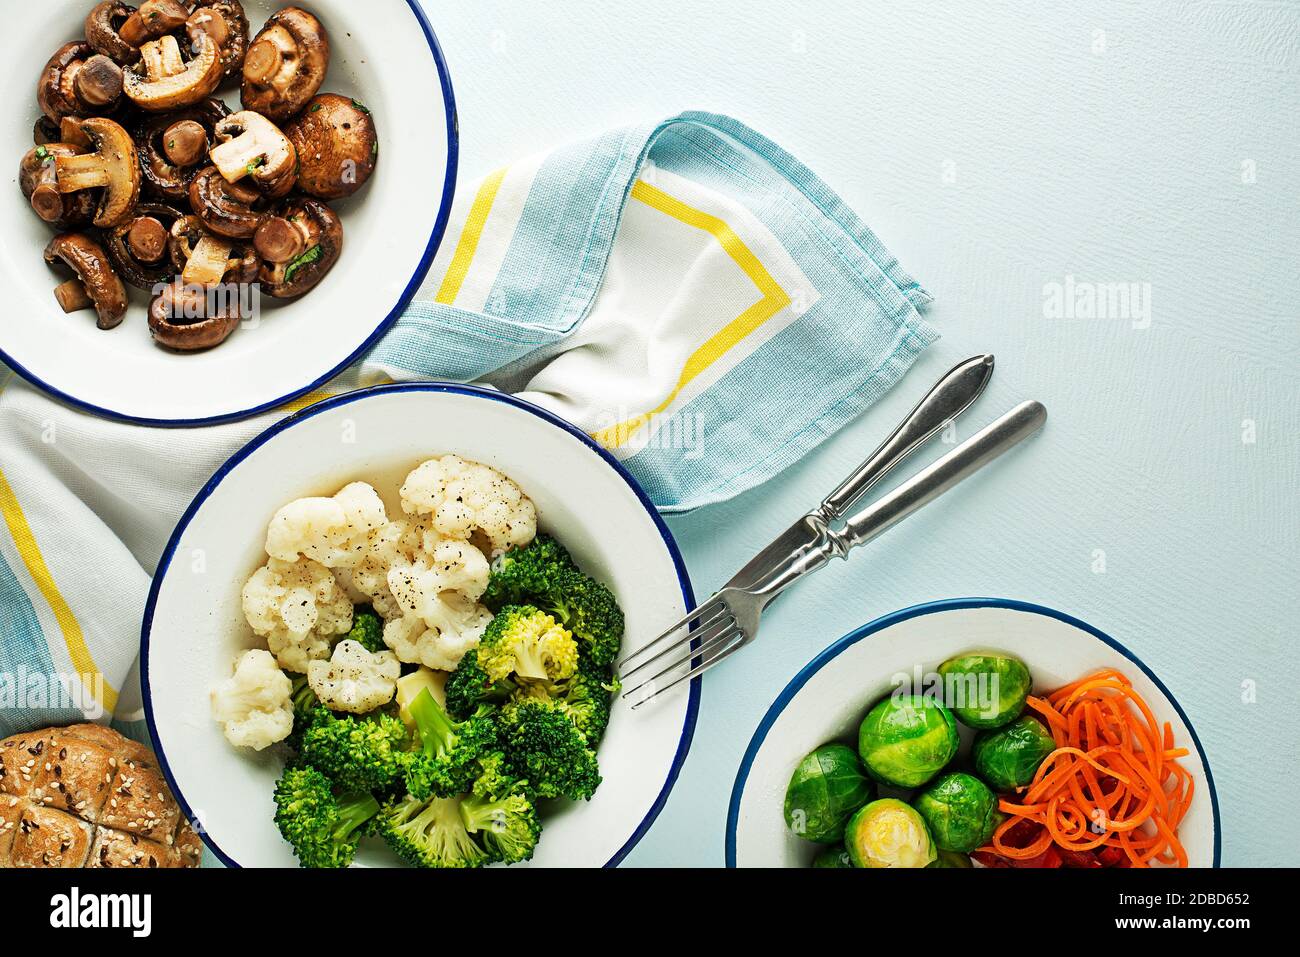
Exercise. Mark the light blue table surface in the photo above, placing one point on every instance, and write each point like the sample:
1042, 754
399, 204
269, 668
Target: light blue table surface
997, 148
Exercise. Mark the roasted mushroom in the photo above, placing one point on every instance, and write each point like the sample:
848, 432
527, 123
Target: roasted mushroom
113, 168
229, 209
77, 81
45, 131
337, 146
226, 23
154, 19
162, 80
168, 144
98, 283
139, 248
300, 247
250, 145
188, 317
103, 26
200, 257
286, 64
36, 178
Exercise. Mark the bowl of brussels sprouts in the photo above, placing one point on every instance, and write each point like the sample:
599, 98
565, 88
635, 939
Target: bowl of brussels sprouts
974, 732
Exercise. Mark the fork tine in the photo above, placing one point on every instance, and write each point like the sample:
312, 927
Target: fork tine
715, 626
709, 611
705, 648
697, 670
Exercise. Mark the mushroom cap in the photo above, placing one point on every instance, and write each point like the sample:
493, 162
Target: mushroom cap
250, 145
37, 180
154, 19
88, 260
322, 233
200, 77
337, 146
227, 24
115, 158
142, 275
227, 209
188, 318
103, 24
163, 179
286, 64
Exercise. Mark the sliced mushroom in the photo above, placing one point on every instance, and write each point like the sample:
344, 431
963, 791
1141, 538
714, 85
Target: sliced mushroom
239, 261
103, 26
37, 180
162, 80
286, 64
70, 132
337, 146
139, 248
154, 19
189, 317
77, 81
294, 268
226, 23
161, 144
250, 145
228, 209
88, 260
113, 168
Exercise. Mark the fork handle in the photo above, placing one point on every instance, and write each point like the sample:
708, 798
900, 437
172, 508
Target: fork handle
928, 484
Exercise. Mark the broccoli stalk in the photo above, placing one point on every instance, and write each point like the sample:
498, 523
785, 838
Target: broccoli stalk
322, 828
448, 759
507, 826
356, 753
429, 833
544, 748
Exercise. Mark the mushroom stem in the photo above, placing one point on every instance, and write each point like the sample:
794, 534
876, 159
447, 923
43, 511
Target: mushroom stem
263, 61
98, 82
278, 241
147, 239
76, 173
72, 296
185, 142
70, 132
47, 201
162, 58
207, 264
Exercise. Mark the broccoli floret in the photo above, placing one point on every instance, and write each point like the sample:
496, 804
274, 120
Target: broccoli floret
447, 760
520, 645
523, 572
367, 629
307, 710
322, 829
507, 826
429, 833
585, 698
356, 753
543, 747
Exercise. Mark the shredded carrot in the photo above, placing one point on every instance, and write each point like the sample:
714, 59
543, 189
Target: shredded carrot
1113, 781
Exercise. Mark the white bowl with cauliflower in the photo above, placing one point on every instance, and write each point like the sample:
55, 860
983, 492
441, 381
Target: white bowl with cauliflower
397, 500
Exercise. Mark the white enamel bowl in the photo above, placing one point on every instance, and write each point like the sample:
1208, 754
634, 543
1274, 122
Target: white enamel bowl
193, 625
828, 699
385, 56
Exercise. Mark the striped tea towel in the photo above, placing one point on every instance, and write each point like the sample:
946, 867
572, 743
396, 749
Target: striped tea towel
687, 292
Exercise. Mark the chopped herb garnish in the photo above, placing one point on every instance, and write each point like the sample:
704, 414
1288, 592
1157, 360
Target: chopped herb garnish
374, 148
42, 154
315, 107
255, 165
306, 259
360, 107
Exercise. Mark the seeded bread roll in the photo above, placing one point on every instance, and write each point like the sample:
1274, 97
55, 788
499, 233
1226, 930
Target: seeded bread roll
84, 796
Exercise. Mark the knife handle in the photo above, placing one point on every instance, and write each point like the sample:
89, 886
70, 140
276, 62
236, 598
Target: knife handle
952, 395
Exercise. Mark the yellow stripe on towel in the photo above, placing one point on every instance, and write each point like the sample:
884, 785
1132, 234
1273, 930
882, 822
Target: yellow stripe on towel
774, 300
30, 553
467, 245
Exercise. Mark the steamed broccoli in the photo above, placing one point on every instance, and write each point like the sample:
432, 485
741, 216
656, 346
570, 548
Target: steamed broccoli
356, 753
520, 645
447, 760
322, 829
429, 833
367, 629
585, 698
543, 574
543, 747
307, 710
507, 826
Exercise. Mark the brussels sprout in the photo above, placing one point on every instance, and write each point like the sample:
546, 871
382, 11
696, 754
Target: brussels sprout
951, 859
889, 833
960, 811
1008, 757
907, 739
825, 789
985, 691
834, 856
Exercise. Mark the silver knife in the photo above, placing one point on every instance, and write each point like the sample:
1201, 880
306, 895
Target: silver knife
951, 396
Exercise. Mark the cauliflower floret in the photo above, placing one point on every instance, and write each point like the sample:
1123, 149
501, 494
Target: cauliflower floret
451, 566
354, 679
452, 625
299, 608
464, 497
387, 546
254, 706
333, 531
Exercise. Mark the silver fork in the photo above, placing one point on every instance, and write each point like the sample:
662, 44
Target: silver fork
728, 621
